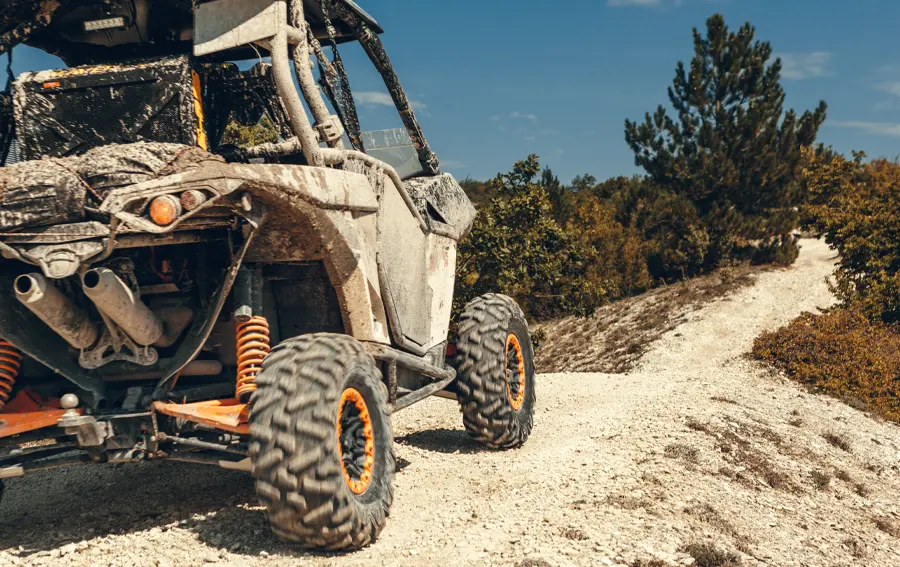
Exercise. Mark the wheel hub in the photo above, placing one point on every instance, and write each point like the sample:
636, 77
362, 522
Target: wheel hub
356, 441
515, 372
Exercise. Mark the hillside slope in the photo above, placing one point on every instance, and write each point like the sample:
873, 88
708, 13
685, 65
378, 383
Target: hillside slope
695, 445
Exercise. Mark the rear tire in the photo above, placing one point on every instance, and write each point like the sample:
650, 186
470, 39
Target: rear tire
320, 490
495, 372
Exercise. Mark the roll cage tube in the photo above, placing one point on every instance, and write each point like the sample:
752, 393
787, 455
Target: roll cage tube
373, 47
39, 15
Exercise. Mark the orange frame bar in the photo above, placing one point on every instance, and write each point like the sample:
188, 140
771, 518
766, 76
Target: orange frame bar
229, 415
29, 412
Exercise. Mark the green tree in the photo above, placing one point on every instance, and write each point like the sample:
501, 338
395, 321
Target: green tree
477, 191
559, 195
246, 136
731, 149
516, 247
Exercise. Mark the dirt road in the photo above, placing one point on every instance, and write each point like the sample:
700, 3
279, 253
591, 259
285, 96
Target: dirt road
697, 444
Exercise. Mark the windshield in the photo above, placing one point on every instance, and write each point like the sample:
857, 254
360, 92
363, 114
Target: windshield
393, 147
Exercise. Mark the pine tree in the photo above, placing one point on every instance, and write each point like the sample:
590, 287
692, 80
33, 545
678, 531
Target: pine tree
731, 149
560, 197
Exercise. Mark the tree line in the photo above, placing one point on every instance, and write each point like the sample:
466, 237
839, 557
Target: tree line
723, 184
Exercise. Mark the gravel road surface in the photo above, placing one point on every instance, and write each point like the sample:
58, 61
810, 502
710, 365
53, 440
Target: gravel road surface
696, 445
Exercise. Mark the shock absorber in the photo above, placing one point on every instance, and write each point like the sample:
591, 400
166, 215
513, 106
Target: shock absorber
253, 338
10, 363
253, 345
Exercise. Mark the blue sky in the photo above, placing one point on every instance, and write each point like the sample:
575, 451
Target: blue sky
495, 80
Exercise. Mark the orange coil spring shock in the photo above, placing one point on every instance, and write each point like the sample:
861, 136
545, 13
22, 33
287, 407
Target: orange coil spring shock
10, 363
252, 347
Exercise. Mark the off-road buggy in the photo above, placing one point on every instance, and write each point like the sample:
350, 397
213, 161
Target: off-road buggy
166, 295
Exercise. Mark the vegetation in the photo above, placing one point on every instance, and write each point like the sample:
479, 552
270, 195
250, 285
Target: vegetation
842, 353
731, 152
518, 248
856, 206
853, 351
723, 186
246, 136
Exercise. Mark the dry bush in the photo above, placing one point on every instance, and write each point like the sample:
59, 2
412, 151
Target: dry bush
841, 353
888, 526
706, 554
837, 441
820, 479
682, 451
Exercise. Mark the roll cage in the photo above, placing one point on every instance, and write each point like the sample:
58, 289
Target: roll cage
215, 30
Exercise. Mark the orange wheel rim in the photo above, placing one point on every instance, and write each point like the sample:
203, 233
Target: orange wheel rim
356, 441
515, 372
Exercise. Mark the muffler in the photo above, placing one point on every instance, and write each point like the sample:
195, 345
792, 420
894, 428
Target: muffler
56, 310
118, 302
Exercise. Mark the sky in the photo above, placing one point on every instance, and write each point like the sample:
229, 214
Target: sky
495, 80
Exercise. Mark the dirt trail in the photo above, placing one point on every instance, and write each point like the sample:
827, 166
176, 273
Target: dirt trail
697, 444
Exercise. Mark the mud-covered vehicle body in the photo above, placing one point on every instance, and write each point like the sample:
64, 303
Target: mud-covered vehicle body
164, 295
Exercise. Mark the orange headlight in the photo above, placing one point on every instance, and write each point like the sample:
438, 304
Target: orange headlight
165, 210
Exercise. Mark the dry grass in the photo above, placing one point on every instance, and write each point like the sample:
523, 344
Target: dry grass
738, 450
820, 479
618, 334
888, 526
837, 441
681, 451
707, 554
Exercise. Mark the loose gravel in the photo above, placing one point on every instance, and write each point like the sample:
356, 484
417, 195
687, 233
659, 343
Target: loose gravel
696, 450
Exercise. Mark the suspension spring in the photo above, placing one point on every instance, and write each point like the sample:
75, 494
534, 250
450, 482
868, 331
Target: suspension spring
252, 347
10, 363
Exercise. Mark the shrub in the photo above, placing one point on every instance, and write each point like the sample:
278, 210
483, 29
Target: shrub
516, 247
842, 353
856, 206
616, 254
676, 239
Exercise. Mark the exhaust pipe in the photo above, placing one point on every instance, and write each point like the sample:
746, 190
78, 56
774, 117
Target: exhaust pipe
56, 310
117, 301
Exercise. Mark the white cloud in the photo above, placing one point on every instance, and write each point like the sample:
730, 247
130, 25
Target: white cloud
373, 98
453, 164
891, 88
876, 128
800, 66
378, 98
632, 2
517, 114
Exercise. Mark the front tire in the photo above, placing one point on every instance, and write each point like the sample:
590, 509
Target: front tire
495, 372
321, 445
